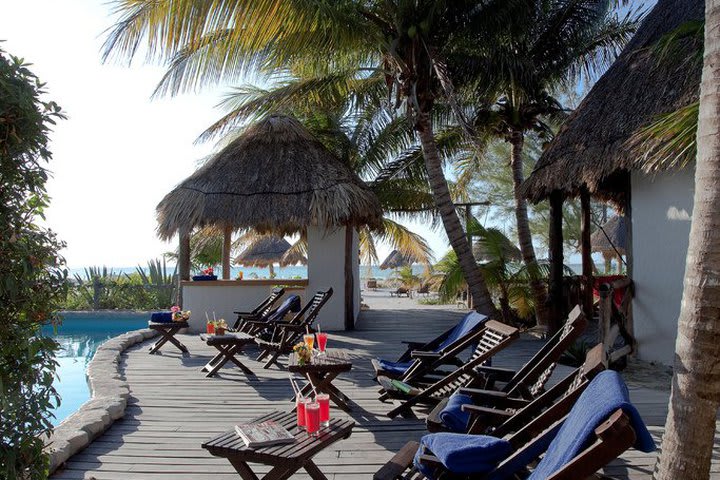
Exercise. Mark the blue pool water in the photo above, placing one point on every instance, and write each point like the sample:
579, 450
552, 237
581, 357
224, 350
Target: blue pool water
79, 337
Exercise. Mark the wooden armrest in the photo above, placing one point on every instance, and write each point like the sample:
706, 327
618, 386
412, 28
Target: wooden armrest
475, 410
257, 322
425, 355
493, 398
399, 463
480, 393
496, 373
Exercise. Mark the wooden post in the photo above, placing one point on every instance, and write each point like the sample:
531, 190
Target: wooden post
468, 215
183, 262
556, 259
227, 246
349, 280
605, 315
586, 250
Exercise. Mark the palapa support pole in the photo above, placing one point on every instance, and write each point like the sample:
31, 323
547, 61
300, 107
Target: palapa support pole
468, 215
556, 259
227, 246
586, 250
349, 280
183, 262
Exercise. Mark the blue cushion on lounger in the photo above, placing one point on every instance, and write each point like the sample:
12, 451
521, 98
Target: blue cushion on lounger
605, 394
469, 323
161, 317
394, 367
291, 303
452, 416
203, 278
462, 453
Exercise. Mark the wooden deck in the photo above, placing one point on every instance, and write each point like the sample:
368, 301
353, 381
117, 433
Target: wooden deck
174, 408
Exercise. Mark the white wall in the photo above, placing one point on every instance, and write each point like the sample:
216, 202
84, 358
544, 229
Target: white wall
661, 214
201, 297
326, 268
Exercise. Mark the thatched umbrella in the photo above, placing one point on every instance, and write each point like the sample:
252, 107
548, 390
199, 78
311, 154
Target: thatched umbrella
275, 177
593, 148
395, 260
266, 251
611, 240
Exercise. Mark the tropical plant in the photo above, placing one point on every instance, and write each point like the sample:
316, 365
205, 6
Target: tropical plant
403, 44
515, 78
159, 282
32, 274
406, 277
687, 445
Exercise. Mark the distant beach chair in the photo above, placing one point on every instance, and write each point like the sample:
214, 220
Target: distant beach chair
400, 291
424, 290
601, 425
421, 358
287, 334
372, 283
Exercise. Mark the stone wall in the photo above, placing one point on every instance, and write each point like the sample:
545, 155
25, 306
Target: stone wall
110, 394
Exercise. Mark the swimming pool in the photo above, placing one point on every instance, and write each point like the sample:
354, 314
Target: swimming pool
79, 336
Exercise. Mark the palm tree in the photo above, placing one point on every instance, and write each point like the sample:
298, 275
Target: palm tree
404, 42
517, 76
690, 428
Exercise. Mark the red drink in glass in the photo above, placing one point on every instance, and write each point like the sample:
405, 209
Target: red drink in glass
300, 407
323, 400
322, 341
312, 418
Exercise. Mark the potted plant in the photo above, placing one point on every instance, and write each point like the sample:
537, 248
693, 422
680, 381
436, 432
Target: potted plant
304, 354
220, 327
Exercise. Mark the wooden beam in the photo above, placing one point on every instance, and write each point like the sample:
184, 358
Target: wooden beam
586, 251
556, 258
227, 246
183, 263
468, 215
349, 280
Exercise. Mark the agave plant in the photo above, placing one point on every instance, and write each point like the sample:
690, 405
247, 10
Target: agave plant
159, 282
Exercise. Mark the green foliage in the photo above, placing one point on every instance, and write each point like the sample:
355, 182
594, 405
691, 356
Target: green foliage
100, 288
32, 277
406, 277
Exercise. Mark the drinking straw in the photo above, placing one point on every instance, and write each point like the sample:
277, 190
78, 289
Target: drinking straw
319, 329
207, 317
214, 316
307, 329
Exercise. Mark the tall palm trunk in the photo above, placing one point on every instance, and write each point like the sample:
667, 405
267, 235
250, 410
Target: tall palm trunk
688, 440
537, 287
443, 201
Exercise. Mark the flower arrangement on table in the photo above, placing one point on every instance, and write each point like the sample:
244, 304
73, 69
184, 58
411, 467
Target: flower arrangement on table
303, 352
207, 274
178, 315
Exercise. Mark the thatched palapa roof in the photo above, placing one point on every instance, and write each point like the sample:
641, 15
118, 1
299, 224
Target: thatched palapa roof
268, 250
395, 260
612, 234
275, 177
592, 147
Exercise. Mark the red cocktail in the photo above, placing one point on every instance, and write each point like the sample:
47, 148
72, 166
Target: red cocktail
300, 403
322, 341
323, 400
312, 418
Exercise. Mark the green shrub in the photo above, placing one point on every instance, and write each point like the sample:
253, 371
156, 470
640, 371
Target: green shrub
32, 277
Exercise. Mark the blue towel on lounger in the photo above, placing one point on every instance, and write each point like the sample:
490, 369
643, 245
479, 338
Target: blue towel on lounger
452, 416
605, 394
395, 367
161, 317
462, 453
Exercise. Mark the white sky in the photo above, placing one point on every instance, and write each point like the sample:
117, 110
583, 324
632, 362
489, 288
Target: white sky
118, 153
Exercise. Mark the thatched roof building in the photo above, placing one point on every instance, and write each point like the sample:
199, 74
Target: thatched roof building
275, 177
269, 250
611, 238
592, 149
395, 260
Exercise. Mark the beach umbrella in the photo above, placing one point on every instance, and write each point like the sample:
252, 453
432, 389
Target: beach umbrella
395, 260
267, 250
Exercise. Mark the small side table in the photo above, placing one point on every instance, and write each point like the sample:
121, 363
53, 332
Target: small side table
228, 345
167, 331
321, 372
285, 459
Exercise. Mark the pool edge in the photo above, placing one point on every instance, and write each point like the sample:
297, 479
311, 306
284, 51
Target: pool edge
109, 395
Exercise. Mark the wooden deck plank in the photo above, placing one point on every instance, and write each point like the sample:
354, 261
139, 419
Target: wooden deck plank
173, 408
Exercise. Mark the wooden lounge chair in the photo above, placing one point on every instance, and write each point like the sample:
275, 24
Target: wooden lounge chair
421, 358
287, 334
528, 382
602, 418
424, 290
508, 415
259, 312
493, 337
401, 291
266, 319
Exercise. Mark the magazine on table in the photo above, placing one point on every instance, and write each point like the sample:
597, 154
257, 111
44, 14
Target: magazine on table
263, 434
